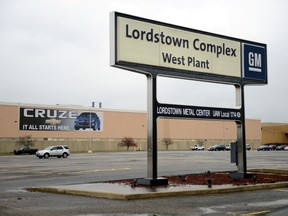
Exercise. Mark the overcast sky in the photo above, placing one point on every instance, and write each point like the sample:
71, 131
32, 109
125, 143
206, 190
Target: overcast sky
57, 52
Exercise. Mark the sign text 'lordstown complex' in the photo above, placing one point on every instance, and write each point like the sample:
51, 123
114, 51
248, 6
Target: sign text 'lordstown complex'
164, 46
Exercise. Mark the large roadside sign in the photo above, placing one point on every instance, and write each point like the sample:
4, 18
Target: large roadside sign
155, 48
182, 52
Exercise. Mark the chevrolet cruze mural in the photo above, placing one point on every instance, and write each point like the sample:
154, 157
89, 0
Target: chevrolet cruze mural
41, 119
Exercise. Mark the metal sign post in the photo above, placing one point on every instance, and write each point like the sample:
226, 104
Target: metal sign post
241, 138
152, 156
241, 132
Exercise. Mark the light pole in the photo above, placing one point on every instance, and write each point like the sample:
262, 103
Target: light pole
90, 148
90, 129
99, 104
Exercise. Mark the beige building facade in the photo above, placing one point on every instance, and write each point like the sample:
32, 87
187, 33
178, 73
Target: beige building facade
275, 133
50, 125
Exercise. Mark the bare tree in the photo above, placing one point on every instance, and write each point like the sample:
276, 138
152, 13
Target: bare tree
201, 141
167, 142
26, 141
128, 142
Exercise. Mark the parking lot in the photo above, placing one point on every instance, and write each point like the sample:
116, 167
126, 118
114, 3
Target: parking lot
20, 172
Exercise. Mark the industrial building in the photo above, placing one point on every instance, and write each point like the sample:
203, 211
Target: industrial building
99, 129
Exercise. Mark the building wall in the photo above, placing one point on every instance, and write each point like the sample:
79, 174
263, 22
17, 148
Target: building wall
8, 121
118, 124
274, 133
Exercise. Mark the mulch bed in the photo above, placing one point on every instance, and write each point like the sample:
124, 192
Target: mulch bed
217, 178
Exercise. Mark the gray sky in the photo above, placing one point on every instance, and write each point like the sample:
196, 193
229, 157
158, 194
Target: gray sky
57, 52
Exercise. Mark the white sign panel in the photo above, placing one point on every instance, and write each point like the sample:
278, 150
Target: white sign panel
147, 43
162, 46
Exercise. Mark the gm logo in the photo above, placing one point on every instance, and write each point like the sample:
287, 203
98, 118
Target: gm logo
254, 62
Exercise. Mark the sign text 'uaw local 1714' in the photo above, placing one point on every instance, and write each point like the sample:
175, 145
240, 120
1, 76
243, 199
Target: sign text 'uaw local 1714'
147, 43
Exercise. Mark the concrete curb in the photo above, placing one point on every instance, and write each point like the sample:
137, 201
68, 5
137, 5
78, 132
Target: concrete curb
95, 194
285, 172
147, 195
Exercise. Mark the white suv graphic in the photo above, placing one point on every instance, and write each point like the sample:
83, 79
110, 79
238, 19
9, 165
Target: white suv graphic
54, 151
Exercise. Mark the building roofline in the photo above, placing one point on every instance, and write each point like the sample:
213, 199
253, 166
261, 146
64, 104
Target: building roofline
68, 106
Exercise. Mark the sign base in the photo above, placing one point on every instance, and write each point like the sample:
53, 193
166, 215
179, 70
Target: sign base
153, 182
241, 175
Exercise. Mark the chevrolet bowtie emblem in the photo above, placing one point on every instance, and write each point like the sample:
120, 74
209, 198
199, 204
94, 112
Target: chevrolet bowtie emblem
52, 121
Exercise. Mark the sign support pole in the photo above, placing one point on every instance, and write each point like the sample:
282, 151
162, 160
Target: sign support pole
152, 176
152, 126
241, 137
241, 132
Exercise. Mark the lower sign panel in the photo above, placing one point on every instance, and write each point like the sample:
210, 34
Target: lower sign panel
197, 112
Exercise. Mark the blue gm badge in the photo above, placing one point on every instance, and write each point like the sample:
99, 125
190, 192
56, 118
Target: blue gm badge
255, 62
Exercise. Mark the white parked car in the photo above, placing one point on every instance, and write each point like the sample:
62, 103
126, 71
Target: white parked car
248, 147
228, 147
286, 148
54, 151
197, 148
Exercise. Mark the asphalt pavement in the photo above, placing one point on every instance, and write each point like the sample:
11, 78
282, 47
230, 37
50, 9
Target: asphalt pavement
21, 172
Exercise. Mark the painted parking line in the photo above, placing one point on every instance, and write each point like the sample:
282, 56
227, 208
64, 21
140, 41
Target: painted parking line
282, 190
256, 213
13, 177
97, 170
46, 173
